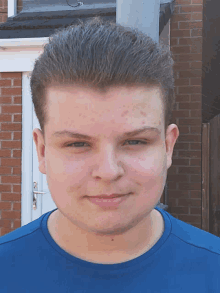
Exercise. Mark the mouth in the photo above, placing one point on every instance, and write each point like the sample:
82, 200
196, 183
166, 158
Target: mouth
108, 202
104, 196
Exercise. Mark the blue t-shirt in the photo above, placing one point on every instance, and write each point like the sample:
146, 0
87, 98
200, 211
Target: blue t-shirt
185, 259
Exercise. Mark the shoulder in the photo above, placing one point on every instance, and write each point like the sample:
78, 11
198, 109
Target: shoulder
194, 236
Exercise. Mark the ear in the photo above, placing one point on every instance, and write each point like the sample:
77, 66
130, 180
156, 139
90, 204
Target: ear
40, 148
171, 136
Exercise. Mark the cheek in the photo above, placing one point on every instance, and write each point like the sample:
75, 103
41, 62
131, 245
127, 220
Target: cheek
153, 164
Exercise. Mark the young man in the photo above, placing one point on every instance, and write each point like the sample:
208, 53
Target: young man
105, 154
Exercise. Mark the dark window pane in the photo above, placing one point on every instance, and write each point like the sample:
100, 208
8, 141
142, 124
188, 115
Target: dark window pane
58, 5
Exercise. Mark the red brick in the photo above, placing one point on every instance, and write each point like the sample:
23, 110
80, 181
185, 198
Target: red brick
5, 135
196, 178
11, 162
16, 188
190, 154
12, 144
189, 73
195, 162
196, 98
16, 153
173, 42
182, 82
183, 98
17, 224
172, 185
190, 8
189, 138
183, 2
12, 126
189, 202
17, 100
11, 75
5, 82
196, 32
11, 91
5, 188
190, 121
11, 109
196, 65
16, 170
189, 218
180, 113
17, 118
181, 162
190, 41
181, 66
5, 205
8, 196
189, 186
184, 129
195, 146
196, 129
197, 1
196, 81
180, 33
17, 82
191, 105
180, 210
195, 194
189, 170
17, 135
3, 16
10, 214
174, 26
5, 223
190, 57
190, 24
197, 16
11, 179
190, 90
181, 17
4, 230
5, 153
181, 50
180, 194
16, 206
5, 118
5, 100
178, 178
5, 170
181, 146
195, 210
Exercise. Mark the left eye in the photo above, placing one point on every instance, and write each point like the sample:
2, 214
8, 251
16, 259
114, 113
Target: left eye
142, 142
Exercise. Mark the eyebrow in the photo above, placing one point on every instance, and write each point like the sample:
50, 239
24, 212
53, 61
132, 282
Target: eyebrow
72, 134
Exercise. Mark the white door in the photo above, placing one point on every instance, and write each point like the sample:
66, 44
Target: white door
33, 181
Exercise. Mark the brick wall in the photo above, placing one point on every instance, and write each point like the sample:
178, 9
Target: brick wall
184, 176
10, 143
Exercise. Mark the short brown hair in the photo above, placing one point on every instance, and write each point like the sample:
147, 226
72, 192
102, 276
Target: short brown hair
102, 54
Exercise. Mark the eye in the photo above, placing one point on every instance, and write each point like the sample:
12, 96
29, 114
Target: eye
81, 142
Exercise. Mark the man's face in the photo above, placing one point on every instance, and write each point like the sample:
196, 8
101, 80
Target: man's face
111, 163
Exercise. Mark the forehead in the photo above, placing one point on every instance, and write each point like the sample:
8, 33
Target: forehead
125, 95
82, 106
